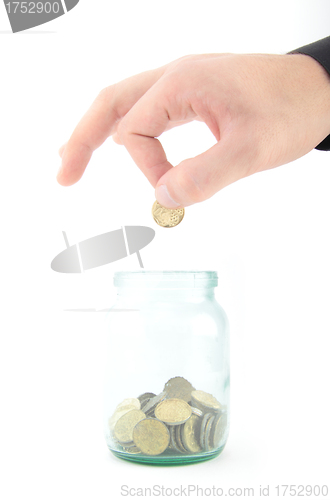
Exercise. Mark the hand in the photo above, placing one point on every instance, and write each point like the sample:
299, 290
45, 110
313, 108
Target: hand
264, 111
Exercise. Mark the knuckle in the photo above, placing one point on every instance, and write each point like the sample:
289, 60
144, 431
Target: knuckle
181, 67
107, 94
190, 58
103, 95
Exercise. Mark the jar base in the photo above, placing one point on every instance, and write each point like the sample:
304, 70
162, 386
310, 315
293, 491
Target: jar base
168, 460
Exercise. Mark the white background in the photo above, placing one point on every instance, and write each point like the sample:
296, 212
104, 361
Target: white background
267, 236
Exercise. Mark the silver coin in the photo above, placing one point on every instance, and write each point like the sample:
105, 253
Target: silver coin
179, 388
173, 442
178, 437
144, 398
208, 427
197, 411
153, 402
202, 430
133, 450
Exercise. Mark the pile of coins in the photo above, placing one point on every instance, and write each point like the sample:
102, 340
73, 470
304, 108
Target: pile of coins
180, 419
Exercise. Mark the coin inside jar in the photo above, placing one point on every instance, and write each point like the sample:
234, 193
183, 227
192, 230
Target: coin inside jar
203, 399
129, 402
151, 436
218, 430
150, 406
208, 427
190, 434
173, 411
123, 430
173, 442
118, 414
144, 398
202, 436
167, 217
179, 387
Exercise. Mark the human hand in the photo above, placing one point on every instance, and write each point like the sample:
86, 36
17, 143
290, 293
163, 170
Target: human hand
264, 111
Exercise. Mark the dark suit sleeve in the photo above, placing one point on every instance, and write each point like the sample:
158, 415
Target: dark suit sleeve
320, 51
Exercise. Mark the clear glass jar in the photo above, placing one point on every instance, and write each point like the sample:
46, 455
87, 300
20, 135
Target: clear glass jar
167, 375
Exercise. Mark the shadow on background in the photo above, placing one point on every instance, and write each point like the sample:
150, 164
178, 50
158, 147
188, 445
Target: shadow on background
27, 32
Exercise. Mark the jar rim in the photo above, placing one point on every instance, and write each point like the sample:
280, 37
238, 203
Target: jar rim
166, 279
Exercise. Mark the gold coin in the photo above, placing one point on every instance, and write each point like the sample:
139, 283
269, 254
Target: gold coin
190, 434
167, 217
179, 387
129, 402
151, 436
173, 411
123, 430
203, 399
218, 430
117, 414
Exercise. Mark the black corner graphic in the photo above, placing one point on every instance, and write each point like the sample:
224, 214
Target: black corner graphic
70, 4
24, 15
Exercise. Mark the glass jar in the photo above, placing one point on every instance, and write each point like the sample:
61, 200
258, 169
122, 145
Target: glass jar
167, 375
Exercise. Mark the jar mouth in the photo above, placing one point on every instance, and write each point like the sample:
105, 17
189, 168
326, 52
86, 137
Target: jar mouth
166, 279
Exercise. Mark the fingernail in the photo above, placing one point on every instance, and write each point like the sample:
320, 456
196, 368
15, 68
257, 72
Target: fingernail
163, 197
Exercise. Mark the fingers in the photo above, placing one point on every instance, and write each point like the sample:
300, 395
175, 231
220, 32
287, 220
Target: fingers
197, 179
100, 122
158, 110
61, 150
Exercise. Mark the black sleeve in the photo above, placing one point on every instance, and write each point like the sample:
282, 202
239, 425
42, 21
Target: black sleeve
320, 51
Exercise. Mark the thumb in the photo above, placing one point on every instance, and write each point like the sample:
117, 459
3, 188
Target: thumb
197, 179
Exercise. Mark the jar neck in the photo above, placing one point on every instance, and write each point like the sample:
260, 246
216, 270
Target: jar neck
166, 294
166, 285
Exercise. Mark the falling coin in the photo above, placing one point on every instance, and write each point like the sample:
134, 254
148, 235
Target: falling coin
179, 387
205, 400
190, 434
167, 217
151, 436
173, 411
123, 431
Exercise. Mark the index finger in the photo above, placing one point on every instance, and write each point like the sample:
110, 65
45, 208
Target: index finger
101, 121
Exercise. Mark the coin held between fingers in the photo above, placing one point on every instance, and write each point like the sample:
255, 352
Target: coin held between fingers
167, 217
